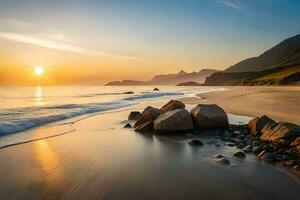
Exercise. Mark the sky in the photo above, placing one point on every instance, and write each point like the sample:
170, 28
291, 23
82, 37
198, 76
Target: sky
96, 41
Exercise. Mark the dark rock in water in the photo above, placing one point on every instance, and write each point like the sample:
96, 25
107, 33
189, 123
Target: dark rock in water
237, 141
230, 144
174, 120
172, 105
257, 150
218, 156
239, 154
149, 114
145, 128
134, 115
127, 126
267, 156
224, 161
189, 135
195, 142
155, 89
258, 123
209, 116
129, 92
240, 146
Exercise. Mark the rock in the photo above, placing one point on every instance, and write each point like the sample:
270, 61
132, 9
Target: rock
217, 145
290, 163
145, 128
209, 116
134, 115
295, 144
239, 154
267, 156
224, 161
149, 114
237, 141
248, 149
240, 146
127, 125
196, 143
172, 105
296, 167
174, 120
257, 150
155, 89
236, 132
188, 135
230, 144
281, 132
257, 124
129, 92
218, 156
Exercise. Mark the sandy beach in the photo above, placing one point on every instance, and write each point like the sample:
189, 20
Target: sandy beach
102, 160
280, 103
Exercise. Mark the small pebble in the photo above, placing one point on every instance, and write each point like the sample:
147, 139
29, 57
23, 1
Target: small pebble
196, 142
218, 156
239, 154
127, 126
224, 161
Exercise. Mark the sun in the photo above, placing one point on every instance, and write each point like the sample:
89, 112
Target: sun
38, 71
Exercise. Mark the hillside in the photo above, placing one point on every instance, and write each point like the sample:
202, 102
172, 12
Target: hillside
170, 79
286, 53
274, 76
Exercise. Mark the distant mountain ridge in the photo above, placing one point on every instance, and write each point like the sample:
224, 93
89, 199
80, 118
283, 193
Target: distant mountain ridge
279, 65
286, 53
170, 79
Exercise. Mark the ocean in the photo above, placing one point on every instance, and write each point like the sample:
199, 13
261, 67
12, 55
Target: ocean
22, 108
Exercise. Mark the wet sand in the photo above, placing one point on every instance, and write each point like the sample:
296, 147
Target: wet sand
102, 160
280, 103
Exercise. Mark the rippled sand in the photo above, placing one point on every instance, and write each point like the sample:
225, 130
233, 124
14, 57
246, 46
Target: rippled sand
102, 160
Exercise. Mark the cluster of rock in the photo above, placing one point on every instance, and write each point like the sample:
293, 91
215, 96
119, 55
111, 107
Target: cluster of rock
173, 117
271, 141
279, 141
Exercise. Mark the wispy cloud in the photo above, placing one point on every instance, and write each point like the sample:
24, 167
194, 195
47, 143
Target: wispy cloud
47, 38
28, 39
230, 3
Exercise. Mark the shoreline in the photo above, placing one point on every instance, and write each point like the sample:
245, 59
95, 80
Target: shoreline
280, 103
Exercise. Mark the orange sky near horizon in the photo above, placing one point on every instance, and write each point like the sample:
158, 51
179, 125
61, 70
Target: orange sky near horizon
61, 67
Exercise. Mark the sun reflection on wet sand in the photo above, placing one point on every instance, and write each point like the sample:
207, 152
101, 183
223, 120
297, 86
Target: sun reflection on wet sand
45, 155
38, 96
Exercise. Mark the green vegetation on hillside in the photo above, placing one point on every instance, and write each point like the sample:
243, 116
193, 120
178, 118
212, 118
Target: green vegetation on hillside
279, 75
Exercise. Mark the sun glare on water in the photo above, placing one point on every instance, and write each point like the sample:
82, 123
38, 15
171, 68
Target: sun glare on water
38, 71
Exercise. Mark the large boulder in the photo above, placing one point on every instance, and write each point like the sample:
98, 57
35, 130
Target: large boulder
149, 114
209, 116
134, 115
172, 105
282, 132
174, 120
145, 128
257, 124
